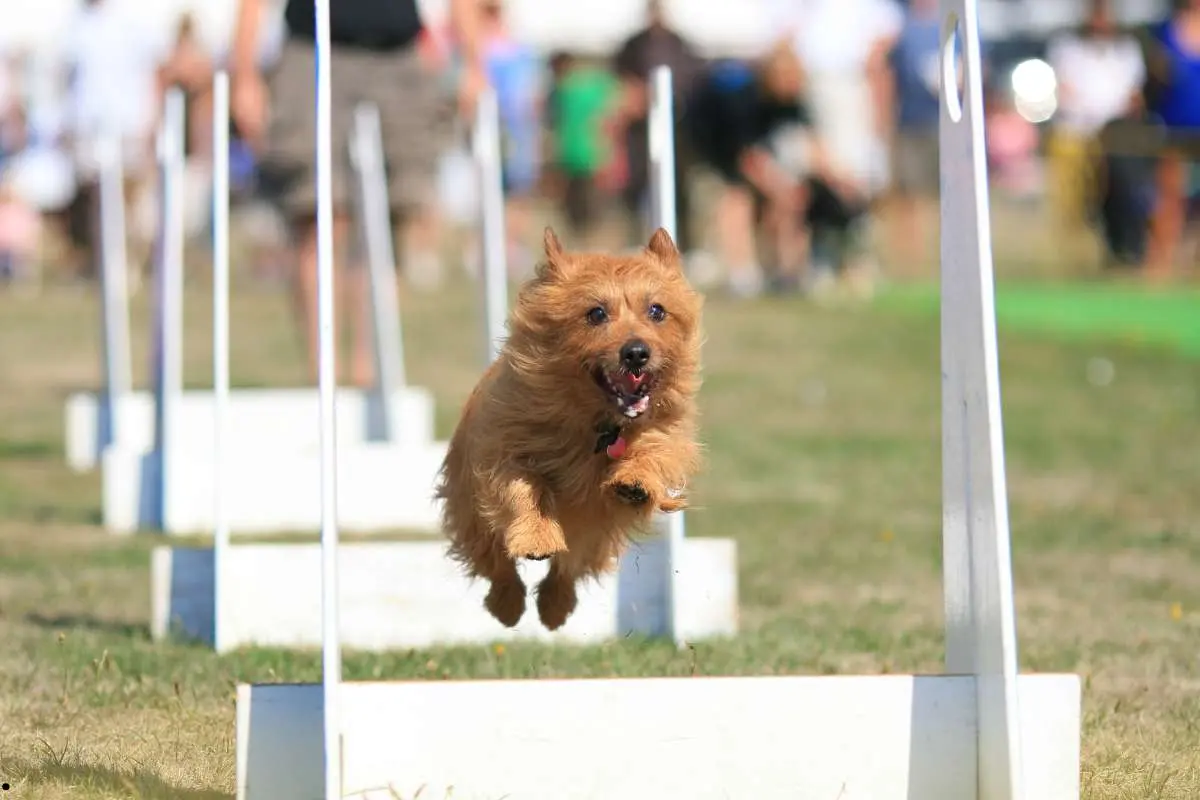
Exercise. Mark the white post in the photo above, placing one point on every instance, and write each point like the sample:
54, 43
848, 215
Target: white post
220, 248
168, 333
331, 642
375, 226
661, 130
114, 285
486, 146
977, 560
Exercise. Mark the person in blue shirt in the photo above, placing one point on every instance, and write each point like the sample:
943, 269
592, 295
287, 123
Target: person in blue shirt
1176, 69
915, 66
516, 72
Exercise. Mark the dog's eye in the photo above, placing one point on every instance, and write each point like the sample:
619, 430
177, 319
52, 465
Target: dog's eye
597, 316
657, 313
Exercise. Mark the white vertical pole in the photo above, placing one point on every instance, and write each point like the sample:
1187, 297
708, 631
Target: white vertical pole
220, 233
168, 333
376, 230
977, 559
491, 189
661, 130
114, 283
331, 643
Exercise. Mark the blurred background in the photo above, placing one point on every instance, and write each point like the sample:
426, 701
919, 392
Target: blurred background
1079, 128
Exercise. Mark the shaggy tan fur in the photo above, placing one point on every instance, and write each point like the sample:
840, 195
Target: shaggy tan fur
529, 474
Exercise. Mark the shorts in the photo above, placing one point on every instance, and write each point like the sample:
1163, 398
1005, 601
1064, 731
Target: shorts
916, 163
415, 114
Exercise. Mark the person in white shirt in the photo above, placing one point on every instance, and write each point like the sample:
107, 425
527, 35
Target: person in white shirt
844, 46
113, 59
1100, 72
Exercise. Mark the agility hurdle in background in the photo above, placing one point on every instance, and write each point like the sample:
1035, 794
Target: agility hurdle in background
156, 448
979, 732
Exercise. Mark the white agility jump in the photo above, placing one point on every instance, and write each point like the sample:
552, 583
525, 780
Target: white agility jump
980, 732
156, 448
407, 594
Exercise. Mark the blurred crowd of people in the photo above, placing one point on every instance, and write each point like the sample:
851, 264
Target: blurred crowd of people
805, 142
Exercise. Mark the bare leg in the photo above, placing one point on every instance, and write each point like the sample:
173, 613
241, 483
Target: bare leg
306, 284
1166, 226
735, 230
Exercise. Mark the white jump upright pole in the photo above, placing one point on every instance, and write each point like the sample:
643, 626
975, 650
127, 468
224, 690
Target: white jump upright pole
331, 642
486, 147
167, 367
376, 233
661, 131
980, 621
220, 248
114, 286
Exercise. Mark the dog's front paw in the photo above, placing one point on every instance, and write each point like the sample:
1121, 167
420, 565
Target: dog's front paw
632, 493
535, 541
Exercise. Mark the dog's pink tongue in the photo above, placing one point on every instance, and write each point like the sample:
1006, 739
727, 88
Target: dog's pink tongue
631, 381
617, 448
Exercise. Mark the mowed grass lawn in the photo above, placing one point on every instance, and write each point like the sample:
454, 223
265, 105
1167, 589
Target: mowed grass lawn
824, 464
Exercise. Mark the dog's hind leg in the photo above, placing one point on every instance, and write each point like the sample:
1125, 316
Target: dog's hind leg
590, 556
556, 596
506, 598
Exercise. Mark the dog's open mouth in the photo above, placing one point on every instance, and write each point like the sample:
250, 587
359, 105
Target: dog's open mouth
630, 391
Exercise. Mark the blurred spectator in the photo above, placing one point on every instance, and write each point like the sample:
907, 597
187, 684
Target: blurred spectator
112, 59
581, 107
1012, 144
189, 67
1100, 71
733, 112
1175, 61
916, 65
844, 46
515, 72
20, 231
653, 46
375, 58
12, 112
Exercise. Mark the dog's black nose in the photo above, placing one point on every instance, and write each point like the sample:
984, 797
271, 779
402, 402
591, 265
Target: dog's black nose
634, 355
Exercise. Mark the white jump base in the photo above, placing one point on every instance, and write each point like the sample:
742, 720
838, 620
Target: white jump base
257, 418
883, 737
383, 487
398, 595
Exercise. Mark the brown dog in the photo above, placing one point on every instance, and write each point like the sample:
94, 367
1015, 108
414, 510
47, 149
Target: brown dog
582, 428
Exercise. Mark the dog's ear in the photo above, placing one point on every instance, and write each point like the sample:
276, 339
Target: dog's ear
552, 263
663, 247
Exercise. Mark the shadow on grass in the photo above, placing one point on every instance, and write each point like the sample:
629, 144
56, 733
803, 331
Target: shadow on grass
128, 630
138, 783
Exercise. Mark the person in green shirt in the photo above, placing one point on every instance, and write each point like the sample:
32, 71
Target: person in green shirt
581, 106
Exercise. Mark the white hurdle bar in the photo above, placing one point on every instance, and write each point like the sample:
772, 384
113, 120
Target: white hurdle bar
661, 130
114, 287
375, 230
485, 145
167, 335
883, 737
270, 445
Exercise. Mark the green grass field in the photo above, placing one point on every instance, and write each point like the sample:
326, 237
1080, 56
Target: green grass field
824, 464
